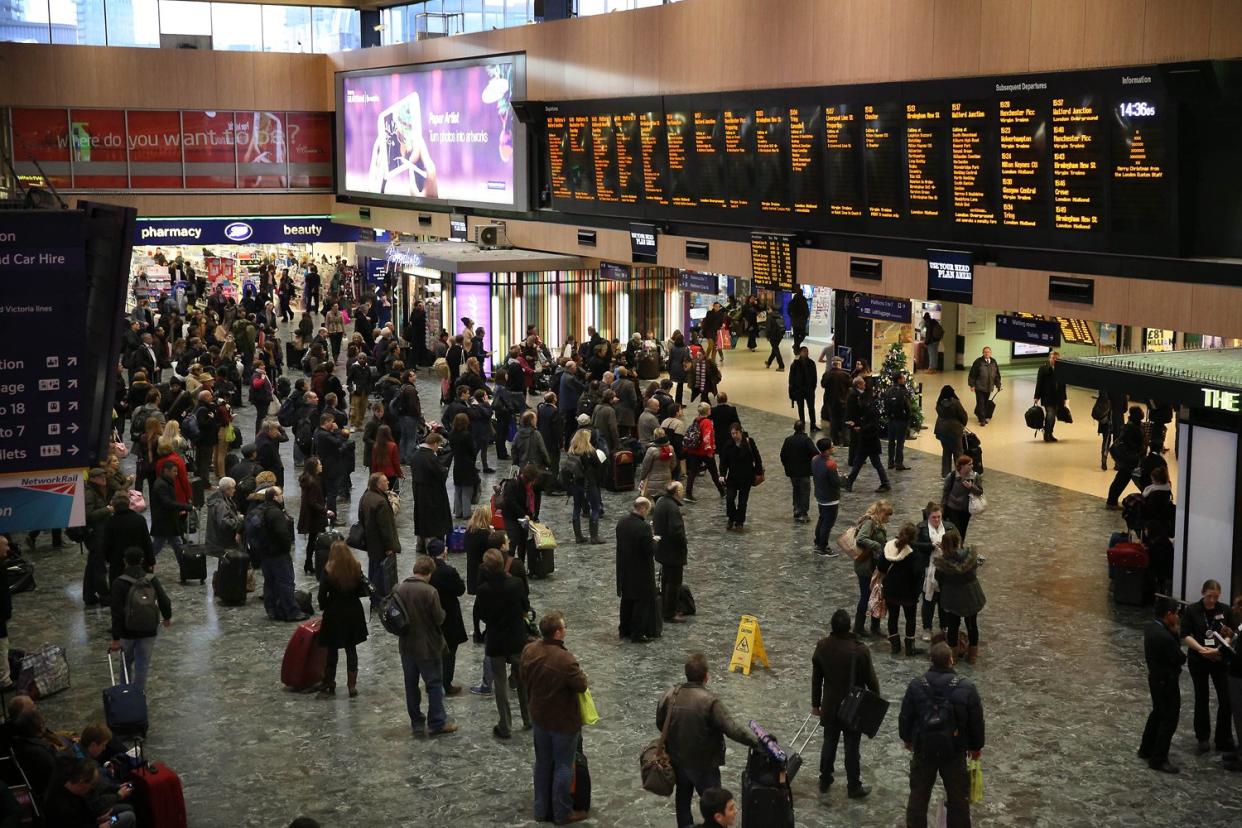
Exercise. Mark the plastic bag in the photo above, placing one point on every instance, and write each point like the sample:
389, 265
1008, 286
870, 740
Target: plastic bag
586, 704
974, 767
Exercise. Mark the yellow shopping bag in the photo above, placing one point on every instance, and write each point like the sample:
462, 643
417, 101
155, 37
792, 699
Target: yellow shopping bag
975, 768
586, 704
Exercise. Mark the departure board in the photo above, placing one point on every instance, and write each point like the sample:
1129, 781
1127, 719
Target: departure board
707, 158
1077, 163
772, 160
555, 126
882, 159
773, 261
1140, 160
974, 173
679, 136
843, 142
654, 146
739, 147
1023, 166
579, 160
925, 145
806, 186
617, 152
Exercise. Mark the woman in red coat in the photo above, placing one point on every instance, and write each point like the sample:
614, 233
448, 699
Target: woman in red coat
386, 457
699, 446
165, 454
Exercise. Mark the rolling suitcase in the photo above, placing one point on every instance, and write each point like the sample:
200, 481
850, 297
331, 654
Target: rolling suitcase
158, 799
621, 476
193, 565
230, 580
1126, 555
1130, 586
457, 539
304, 661
125, 706
989, 406
767, 801
198, 491
540, 563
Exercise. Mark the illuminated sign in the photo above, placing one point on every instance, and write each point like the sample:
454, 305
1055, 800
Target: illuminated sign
1222, 400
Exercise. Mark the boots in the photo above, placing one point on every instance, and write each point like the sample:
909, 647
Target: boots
972, 653
578, 536
595, 539
959, 648
860, 629
875, 627
328, 688
352, 677
894, 642
910, 650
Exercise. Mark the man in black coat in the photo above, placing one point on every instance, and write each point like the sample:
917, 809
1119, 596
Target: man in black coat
1050, 393
276, 558
669, 529
802, 379
267, 452
124, 529
775, 331
451, 587
799, 314
796, 454
863, 419
167, 513
1163, 652
842, 663
836, 383
724, 416
334, 450
433, 514
636, 587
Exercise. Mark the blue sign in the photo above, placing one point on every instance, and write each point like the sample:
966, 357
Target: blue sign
1045, 332
951, 271
43, 422
375, 273
699, 282
257, 230
882, 308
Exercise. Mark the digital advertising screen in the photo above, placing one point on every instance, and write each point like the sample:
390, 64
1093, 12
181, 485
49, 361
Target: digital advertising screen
440, 133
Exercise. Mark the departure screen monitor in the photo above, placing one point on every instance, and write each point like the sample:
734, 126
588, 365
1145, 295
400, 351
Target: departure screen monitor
433, 133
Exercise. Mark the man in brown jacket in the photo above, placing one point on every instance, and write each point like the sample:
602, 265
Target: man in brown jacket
696, 732
422, 648
837, 659
380, 527
553, 682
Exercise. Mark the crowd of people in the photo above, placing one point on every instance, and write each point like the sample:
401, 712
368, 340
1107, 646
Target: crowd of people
576, 421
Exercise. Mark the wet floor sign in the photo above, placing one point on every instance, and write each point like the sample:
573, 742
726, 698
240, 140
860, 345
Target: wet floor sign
748, 648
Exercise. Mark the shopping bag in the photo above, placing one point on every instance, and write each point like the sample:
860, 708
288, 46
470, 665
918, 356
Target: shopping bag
975, 768
542, 535
590, 715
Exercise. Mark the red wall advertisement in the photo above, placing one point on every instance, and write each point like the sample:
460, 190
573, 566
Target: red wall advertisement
114, 149
219, 268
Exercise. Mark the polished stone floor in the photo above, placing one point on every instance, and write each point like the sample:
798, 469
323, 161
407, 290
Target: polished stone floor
1060, 675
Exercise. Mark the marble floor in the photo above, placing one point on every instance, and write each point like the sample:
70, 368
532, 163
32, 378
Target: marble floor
1060, 675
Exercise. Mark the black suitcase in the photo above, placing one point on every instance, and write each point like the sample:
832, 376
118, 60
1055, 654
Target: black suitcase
198, 489
193, 565
323, 548
230, 580
621, 477
1130, 586
767, 801
581, 789
540, 563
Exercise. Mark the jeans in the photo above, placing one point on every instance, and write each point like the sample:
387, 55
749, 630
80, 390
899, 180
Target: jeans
801, 495
1050, 420
157, 544
278, 587
138, 659
463, 496
690, 781
923, 774
933, 355
823, 526
1166, 706
864, 597
587, 501
862, 458
828, 753
554, 772
736, 498
500, 687
897, 430
429, 671
1218, 674
806, 408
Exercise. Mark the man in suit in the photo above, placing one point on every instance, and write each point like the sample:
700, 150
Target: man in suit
640, 611
669, 529
724, 416
1050, 393
451, 587
333, 448
842, 662
143, 359
422, 648
1165, 658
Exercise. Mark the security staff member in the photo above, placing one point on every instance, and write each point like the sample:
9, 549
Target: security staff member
1164, 665
1201, 621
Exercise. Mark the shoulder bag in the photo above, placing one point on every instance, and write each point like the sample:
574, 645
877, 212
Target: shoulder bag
654, 762
977, 504
861, 711
847, 542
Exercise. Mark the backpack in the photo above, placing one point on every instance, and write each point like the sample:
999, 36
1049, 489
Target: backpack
935, 331
939, 723
305, 436
694, 436
142, 608
189, 426
284, 414
571, 471
253, 533
393, 614
586, 405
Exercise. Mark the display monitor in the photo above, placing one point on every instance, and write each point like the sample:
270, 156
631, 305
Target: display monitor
438, 133
950, 275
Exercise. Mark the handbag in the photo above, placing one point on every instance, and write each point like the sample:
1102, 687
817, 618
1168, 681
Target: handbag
586, 705
862, 710
44, 672
1064, 415
759, 478
977, 504
654, 762
847, 542
877, 607
542, 535
118, 447
357, 537
974, 767
137, 503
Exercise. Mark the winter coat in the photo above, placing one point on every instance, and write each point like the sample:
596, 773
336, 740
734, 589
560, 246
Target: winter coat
635, 558
984, 376
528, 447
224, 523
501, 603
960, 591
740, 462
449, 585
433, 514
344, 622
667, 522
1048, 389
707, 439
902, 581
166, 520
870, 538
802, 377
659, 468
797, 452
463, 449
313, 507
951, 420
380, 525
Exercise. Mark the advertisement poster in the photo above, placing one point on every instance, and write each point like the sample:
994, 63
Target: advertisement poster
472, 298
154, 139
260, 140
98, 148
444, 133
310, 149
40, 500
41, 135
207, 139
219, 268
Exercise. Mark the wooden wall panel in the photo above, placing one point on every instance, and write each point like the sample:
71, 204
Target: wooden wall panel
218, 204
1226, 38
911, 50
1058, 33
1218, 310
1120, 24
1005, 36
955, 37
728, 258
999, 288
1177, 29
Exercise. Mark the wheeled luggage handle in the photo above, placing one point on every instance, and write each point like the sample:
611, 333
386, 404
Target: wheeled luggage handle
112, 671
794, 741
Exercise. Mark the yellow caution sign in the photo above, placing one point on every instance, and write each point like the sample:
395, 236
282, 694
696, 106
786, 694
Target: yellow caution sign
748, 648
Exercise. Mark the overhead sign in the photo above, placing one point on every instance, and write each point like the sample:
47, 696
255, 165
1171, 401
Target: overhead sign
773, 261
278, 230
643, 243
699, 282
614, 272
1031, 331
951, 271
43, 422
748, 646
882, 308
1222, 400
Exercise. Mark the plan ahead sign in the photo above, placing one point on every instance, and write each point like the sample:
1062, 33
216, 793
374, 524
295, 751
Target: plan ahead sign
1046, 332
882, 308
952, 272
256, 230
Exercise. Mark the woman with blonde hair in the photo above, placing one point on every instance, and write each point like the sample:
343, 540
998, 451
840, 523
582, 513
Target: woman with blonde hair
478, 530
870, 540
586, 473
172, 433
147, 449
344, 624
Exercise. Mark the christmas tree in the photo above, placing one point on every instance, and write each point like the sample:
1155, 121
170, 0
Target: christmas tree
894, 364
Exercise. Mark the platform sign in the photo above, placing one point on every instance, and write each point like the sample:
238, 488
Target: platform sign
43, 421
882, 308
748, 647
1031, 331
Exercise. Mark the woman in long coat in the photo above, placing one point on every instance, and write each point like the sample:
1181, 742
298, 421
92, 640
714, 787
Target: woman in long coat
344, 624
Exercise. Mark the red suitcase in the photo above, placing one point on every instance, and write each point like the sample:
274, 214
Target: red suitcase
304, 662
621, 478
1129, 555
158, 799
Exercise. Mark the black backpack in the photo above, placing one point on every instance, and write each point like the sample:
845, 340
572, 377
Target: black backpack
935, 331
938, 729
287, 410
